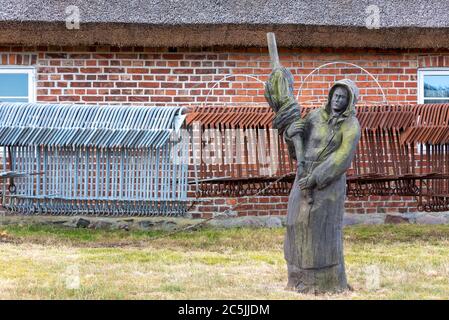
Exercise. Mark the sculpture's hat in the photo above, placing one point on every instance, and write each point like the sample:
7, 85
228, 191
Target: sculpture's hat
353, 96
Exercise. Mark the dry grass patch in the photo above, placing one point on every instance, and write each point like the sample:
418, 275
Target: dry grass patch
412, 262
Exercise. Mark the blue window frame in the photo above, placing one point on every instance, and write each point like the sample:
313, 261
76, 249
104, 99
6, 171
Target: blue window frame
17, 84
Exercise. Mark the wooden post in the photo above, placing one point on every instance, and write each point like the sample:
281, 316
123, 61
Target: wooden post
273, 50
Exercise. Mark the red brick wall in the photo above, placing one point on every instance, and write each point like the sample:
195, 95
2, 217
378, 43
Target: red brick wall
164, 76
274, 205
147, 75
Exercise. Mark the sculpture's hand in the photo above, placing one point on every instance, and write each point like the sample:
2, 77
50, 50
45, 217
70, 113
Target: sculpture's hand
307, 182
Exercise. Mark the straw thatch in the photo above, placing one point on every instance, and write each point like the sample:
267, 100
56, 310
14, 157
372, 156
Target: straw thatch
320, 23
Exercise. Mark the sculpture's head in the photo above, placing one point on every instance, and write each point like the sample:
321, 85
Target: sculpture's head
339, 100
342, 98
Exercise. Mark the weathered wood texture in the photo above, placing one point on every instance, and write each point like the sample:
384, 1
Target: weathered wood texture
324, 142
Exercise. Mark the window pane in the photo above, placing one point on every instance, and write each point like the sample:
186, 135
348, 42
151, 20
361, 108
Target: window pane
436, 100
14, 84
13, 99
436, 86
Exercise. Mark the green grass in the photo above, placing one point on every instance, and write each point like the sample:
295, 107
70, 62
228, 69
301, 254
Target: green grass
39, 262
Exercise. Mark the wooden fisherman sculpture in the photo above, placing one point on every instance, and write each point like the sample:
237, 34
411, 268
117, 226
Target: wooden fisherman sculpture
324, 143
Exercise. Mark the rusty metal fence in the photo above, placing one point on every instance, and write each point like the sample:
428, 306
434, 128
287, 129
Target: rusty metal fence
403, 151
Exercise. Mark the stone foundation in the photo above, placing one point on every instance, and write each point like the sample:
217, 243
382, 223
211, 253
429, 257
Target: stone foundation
170, 224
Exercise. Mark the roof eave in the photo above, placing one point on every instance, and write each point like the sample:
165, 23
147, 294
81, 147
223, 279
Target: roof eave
205, 35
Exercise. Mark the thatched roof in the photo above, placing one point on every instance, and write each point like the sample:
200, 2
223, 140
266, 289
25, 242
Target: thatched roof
338, 23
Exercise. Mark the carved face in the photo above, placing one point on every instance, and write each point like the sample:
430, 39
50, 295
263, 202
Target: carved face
339, 100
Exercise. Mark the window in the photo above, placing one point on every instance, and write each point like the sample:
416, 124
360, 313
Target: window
433, 85
17, 84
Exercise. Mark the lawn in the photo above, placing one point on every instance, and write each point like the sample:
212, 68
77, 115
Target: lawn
383, 262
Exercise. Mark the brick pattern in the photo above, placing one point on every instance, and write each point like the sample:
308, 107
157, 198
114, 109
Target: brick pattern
165, 76
433, 61
245, 206
277, 206
17, 59
377, 204
136, 75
